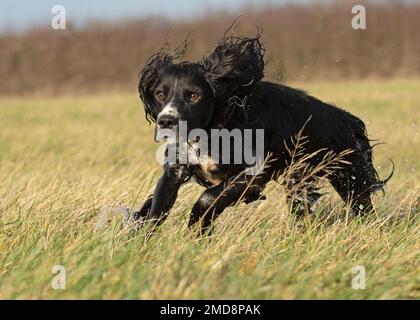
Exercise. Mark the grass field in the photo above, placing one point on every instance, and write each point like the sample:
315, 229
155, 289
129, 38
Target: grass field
65, 160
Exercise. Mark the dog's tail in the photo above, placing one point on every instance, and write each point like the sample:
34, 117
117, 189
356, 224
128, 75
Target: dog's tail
380, 184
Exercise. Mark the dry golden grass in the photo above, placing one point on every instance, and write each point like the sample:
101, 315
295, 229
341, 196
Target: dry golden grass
64, 160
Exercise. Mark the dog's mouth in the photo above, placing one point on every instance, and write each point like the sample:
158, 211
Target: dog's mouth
169, 135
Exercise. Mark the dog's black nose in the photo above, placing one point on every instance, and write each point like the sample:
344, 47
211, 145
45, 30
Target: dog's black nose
167, 121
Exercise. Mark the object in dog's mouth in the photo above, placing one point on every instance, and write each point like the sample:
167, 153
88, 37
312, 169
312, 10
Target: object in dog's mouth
166, 135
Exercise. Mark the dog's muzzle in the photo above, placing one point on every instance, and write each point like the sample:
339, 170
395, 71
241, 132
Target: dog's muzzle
166, 128
167, 121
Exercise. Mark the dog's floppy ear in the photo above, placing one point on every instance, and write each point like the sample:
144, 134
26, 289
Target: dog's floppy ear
234, 66
149, 78
233, 69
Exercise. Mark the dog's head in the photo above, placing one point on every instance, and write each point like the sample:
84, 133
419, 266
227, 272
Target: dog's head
204, 93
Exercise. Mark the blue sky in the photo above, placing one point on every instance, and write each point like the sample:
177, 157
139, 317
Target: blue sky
21, 14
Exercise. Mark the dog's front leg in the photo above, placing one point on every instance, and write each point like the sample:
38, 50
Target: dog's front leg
157, 206
214, 200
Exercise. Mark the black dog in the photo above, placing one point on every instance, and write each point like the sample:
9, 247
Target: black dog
225, 90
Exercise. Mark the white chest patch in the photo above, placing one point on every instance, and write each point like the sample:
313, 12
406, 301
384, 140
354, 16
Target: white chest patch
205, 162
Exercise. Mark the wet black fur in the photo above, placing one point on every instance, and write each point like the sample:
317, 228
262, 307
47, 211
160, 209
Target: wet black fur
234, 71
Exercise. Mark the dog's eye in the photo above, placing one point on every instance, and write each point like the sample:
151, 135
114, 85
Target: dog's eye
160, 96
194, 97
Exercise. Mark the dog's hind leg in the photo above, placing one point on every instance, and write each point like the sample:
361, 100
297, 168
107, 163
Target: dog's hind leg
356, 182
359, 198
